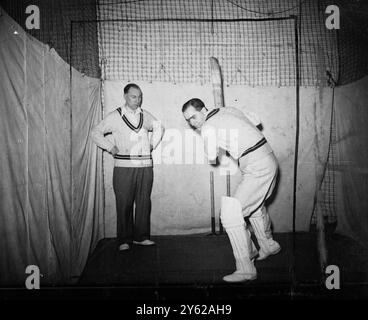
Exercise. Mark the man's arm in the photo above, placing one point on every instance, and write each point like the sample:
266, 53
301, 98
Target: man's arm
98, 135
158, 131
251, 116
211, 149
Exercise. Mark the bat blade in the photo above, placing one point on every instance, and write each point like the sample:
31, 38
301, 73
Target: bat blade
217, 82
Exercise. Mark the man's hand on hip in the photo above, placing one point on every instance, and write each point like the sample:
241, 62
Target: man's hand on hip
114, 151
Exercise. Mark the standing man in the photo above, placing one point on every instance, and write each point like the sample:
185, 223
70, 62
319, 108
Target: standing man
133, 168
230, 130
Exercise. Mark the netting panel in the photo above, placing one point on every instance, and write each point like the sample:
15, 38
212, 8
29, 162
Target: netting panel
342, 53
327, 203
179, 52
251, 53
56, 17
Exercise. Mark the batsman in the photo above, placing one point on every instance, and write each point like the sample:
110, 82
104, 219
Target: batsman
230, 130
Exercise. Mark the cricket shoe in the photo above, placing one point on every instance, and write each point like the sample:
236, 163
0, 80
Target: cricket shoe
268, 247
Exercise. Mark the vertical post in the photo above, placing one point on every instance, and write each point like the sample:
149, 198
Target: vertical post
70, 227
297, 117
228, 193
212, 27
297, 120
212, 191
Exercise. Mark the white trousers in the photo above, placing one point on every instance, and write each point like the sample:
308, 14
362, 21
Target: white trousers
257, 184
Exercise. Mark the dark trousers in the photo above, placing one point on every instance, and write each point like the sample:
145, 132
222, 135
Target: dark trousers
133, 185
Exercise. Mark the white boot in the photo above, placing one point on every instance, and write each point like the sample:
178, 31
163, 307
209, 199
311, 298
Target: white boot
234, 224
261, 224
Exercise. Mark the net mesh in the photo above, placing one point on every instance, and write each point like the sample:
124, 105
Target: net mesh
353, 42
327, 203
257, 54
138, 43
56, 17
178, 52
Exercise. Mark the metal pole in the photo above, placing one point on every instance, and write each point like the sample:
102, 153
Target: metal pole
212, 190
297, 120
228, 193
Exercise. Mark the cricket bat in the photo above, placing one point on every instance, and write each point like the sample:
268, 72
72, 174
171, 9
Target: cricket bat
217, 82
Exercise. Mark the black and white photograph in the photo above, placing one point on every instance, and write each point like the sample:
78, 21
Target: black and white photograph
158, 151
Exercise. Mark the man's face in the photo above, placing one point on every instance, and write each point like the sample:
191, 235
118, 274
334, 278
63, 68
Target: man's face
133, 98
195, 118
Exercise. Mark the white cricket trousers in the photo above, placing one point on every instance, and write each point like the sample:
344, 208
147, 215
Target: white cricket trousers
258, 182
